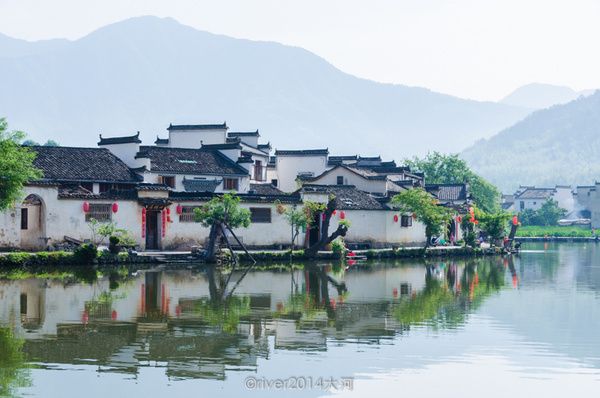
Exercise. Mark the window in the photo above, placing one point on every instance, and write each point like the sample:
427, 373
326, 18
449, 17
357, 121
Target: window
23, 218
99, 212
340, 180
230, 184
274, 182
534, 203
187, 213
522, 205
168, 181
260, 215
258, 171
406, 221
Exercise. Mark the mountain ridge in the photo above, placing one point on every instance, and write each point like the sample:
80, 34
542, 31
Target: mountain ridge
143, 73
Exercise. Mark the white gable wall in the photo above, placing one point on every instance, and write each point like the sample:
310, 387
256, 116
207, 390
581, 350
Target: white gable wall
288, 167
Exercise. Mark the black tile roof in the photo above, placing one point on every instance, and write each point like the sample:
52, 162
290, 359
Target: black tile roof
347, 197
265, 189
536, 193
302, 152
191, 161
448, 191
121, 140
244, 134
237, 144
246, 198
161, 141
78, 192
82, 164
197, 126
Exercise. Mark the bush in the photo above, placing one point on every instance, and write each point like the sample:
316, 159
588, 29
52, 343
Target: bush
337, 246
86, 253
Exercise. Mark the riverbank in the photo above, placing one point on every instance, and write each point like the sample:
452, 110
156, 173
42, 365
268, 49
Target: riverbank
566, 239
68, 258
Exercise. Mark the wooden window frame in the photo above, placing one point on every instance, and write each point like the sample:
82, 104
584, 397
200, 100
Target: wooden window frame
230, 184
406, 221
187, 214
100, 212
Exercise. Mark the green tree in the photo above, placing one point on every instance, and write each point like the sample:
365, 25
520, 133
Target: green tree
450, 169
30, 142
549, 213
16, 166
219, 214
425, 209
51, 143
495, 224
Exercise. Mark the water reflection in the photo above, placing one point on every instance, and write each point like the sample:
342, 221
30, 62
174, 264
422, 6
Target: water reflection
207, 324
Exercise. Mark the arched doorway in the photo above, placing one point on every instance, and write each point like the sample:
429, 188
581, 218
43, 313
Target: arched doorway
33, 224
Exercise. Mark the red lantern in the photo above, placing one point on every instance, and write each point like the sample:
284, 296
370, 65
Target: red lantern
168, 218
415, 216
471, 210
179, 209
144, 211
115, 207
476, 222
168, 210
459, 219
342, 215
515, 220
280, 209
86, 207
395, 218
334, 212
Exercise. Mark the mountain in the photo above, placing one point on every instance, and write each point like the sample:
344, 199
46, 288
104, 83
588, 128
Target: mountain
555, 146
143, 73
13, 48
540, 96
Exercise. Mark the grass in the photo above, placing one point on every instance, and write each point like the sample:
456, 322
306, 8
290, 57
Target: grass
532, 231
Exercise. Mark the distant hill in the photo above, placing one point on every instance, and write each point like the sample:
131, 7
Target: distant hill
540, 96
559, 145
144, 73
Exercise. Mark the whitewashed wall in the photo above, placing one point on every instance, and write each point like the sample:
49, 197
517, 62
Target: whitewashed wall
192, 138
10, 227
351, 178
288, 168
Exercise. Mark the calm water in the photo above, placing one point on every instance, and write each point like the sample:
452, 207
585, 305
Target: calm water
528, 325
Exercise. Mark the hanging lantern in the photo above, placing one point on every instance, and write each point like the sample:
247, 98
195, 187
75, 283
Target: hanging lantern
168, 210
168, 218
86, 207
515, 220
143, 211
459, 219
471, 210
476, 222
334, 212
342, 215
396, 218
280, 209
179, 209
115, 207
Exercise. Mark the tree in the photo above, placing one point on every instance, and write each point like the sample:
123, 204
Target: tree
328, 210
549, 213
16, 166
220, 214
425, 210
297, 218
450, 169
51, 143
495, 224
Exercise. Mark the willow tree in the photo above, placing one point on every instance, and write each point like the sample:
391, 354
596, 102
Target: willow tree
221, 214
425, 209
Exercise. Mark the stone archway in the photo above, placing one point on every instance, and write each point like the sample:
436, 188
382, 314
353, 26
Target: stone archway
33, 224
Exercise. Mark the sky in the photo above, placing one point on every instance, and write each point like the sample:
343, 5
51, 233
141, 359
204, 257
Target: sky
475, 49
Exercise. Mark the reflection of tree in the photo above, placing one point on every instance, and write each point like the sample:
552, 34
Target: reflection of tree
222, 308
445, 304
13, 371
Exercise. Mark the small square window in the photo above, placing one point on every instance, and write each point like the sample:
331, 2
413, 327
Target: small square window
340, 180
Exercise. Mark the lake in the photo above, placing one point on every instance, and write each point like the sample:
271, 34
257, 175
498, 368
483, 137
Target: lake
524, 325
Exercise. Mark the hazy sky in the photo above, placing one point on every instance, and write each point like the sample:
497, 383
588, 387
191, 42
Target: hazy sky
479, 49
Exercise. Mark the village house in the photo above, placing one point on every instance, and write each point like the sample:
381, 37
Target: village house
153, 191
528, 197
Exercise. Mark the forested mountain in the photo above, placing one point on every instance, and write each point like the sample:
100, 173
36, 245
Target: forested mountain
559, 145
144, 73
540, 96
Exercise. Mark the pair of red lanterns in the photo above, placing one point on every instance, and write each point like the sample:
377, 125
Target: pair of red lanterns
86, 207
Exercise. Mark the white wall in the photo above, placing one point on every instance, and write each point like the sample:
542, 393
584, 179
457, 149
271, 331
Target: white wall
126, 152
10, 227
193, 138
564, 197
350, 178
288, 168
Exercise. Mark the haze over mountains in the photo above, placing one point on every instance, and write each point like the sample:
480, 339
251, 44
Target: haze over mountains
144, 73
559, 145
540, 96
